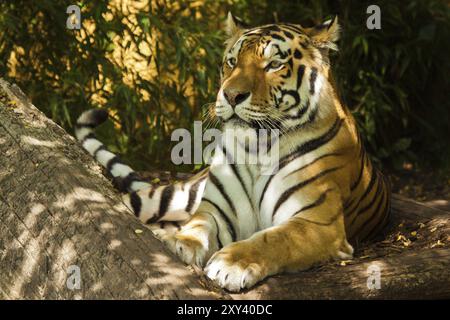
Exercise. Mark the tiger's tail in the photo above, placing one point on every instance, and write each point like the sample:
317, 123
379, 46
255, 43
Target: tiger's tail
150, 203
125, 179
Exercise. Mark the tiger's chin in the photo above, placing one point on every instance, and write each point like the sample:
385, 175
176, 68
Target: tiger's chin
236, 122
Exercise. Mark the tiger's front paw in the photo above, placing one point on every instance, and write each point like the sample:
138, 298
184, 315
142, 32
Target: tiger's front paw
235, 268
191, 246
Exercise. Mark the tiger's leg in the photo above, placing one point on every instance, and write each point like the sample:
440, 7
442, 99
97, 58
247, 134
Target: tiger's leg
315, 236
199, 237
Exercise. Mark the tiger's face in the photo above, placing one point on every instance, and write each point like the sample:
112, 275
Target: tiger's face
272, 76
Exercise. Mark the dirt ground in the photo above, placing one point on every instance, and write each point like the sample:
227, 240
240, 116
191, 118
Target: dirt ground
426, 186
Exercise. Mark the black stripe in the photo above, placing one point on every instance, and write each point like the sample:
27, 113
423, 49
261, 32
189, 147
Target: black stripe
316, 203
288, 34
79, 126
350, 202
221, 189
294, 94
100, 148
225, 217
303, 149
333, 219
362, 164
300, 112
136, 204
315, 143
312, 80
192, 197
288, 73
97, 116
166, 198
281, 166
290, 64
218, 229
387, 210
238, 176
378, 190
300, 73
248, 169
313, 161
372, 181
313, 114
193, 193
292, 27
280, 52
152, 192
241, 181
377, 227
297, 54
374, 215
112, 162
123, 184
287, 193
271, 27
90, 135
278, 37
264, 190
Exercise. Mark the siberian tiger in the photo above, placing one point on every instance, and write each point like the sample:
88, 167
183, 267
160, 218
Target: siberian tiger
245, 225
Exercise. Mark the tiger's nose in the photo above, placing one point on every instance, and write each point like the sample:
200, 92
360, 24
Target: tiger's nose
235, 97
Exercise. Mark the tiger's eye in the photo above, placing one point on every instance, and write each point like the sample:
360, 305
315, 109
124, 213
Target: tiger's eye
231, 62
275, 64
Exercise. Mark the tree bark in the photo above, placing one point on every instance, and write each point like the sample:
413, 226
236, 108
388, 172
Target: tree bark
413, 275
57, 210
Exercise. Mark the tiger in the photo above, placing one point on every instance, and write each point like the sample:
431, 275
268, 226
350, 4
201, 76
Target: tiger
238, 223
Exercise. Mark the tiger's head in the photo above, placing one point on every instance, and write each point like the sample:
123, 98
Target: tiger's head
274, 76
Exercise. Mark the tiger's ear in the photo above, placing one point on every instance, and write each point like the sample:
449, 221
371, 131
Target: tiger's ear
233, 25
325, 35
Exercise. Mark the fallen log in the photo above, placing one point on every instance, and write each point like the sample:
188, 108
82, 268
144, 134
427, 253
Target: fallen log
57, 210
65, 234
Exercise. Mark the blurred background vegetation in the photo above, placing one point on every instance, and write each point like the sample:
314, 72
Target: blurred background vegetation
154, 65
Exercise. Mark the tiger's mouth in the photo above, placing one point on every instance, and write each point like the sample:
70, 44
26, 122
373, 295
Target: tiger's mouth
235, 119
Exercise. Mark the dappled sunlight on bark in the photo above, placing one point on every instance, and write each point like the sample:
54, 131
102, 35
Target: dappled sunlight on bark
57, 212
27, 268
36, 142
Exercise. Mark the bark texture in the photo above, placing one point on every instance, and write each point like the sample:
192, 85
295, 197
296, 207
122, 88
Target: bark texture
58, 210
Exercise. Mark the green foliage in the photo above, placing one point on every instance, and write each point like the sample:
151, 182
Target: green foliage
65, 75
395, 80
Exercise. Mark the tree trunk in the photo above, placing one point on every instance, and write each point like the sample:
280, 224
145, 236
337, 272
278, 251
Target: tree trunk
58, 211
